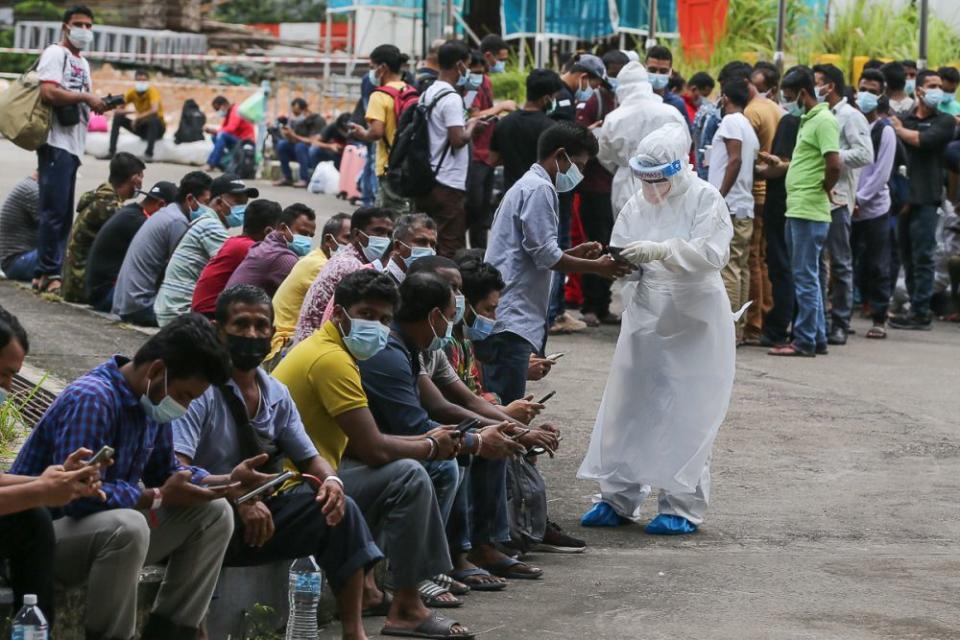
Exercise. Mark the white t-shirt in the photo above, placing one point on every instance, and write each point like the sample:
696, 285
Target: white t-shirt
448, 112
735, 126
72, 73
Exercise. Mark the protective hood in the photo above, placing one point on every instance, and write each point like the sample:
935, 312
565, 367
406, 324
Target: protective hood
633, 84
662, 156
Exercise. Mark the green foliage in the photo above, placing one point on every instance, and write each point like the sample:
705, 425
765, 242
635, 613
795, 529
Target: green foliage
12, 423
12, 62
510, 85
262, 623
250, 11
36, 10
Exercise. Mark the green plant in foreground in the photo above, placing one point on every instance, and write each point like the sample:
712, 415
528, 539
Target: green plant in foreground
261, 623
12, 422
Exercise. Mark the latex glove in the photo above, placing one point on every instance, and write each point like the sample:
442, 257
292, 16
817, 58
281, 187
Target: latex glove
644, 251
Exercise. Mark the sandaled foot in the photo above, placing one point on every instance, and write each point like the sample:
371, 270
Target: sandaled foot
513, 569
877, 332
790, 351
436, 597
454, 586
379, 609
283, 183
47, 284
479, 580
435, 626
590, 319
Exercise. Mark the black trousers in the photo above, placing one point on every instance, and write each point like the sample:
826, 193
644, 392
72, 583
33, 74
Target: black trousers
27, 543
870, 242
596, 215
150, 129
477, 204
776, 323
301, 530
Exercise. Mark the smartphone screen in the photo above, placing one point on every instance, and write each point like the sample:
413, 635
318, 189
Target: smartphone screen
102, 456
266, 487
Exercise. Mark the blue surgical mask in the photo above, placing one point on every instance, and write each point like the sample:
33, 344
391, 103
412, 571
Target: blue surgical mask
933, 97
376, 247
911, 86
301, 244
372, 75
584, 94
419, 252
867, 101
439, 342
568, 180
481, 328
235, 217
366, 338
202, 210
167, 411
821, 93
659, 81
793, 108
141, 86
948, 96
461, 307
499, 67
474, 80
614, 83
464, 78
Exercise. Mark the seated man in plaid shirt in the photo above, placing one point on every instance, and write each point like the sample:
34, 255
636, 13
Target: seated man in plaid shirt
155, 508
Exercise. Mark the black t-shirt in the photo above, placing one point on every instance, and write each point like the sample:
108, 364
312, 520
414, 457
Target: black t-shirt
566, 106
784, 140
110, 247
515, 139
925, 163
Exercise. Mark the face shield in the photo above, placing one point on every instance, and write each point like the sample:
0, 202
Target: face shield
655, 180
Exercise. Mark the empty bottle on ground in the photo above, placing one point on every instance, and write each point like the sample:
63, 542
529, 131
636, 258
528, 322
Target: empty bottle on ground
304, 595
30, 624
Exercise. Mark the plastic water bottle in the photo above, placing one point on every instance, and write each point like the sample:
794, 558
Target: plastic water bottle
30, 623
306, 582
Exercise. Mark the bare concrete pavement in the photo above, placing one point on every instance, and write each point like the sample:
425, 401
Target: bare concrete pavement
834, 510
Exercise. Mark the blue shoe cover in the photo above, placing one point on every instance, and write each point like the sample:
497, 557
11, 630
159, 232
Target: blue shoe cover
601, 514
670, 525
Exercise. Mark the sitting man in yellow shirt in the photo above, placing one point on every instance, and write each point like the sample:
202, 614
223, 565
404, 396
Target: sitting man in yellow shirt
290, 294
148, 122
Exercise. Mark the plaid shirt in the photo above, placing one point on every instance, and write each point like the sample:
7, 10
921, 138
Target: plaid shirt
343, 263
99, 408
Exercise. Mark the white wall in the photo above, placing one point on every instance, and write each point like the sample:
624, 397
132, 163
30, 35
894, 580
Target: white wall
379, 26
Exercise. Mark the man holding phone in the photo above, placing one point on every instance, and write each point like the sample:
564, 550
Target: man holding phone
253, 413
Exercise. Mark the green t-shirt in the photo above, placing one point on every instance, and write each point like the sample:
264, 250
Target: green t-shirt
952, 108
819, 135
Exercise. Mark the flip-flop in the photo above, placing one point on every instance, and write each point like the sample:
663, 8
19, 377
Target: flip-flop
453, 585
464, 575
790, 351
508, 568
430, 593
380, 609
877, 332
435, 627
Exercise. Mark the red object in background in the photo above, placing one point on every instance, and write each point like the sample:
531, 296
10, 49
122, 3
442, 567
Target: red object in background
701, 23
573, 289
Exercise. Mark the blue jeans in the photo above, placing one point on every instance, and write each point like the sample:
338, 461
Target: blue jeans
917, 238
306, 156
479, 513
221, 142
22, 267
368, 177
445, 475
805, 239
505, 358
57, 179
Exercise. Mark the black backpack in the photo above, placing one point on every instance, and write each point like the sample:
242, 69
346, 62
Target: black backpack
409, 170
192, 121
243, 160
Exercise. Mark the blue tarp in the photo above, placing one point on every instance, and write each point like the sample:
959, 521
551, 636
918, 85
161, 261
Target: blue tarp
634, 15
574, 18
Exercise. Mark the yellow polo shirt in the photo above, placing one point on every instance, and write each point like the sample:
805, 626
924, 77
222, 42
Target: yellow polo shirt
381, 108
289, 298
142, 101
324, 382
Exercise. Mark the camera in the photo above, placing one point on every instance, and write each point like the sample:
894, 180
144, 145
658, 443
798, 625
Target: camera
112, 101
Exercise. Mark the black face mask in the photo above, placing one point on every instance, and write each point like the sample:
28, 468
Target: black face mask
247, 353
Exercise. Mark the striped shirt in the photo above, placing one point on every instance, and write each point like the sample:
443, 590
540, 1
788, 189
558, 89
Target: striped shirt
19, 221
99, 408
201, 242
345, 262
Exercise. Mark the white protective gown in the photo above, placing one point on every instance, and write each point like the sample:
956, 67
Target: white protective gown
672, 372
640, 112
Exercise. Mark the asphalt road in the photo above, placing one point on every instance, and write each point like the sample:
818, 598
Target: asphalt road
835, 489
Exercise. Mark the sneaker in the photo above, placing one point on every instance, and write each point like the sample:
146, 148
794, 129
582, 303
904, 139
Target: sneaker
912, 323
837, 336
565, 323
556, 540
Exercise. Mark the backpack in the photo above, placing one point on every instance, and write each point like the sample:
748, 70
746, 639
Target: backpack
25, 119
243, 160
192, 121
526, 504
403, 99
899, 185
409, 170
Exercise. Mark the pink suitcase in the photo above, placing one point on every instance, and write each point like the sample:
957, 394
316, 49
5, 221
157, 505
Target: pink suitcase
351, 165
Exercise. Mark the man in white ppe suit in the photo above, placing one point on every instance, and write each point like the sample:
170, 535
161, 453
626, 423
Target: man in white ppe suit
640, 113
672, 372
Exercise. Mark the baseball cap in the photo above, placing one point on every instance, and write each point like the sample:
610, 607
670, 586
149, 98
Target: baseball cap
592, 65
232, 184
163, 190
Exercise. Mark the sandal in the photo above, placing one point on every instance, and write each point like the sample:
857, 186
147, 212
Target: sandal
435, 626
790, 350
479, 580
514, 569
47, 284
877, 332
432, 595
451, 584
379, 610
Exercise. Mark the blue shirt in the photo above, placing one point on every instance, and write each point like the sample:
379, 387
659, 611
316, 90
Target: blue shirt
390, 382
523, 246
99, 408
208, 433
669, 97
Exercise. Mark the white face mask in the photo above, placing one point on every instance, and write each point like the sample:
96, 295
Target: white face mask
656, 192
141, 86
80, 38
